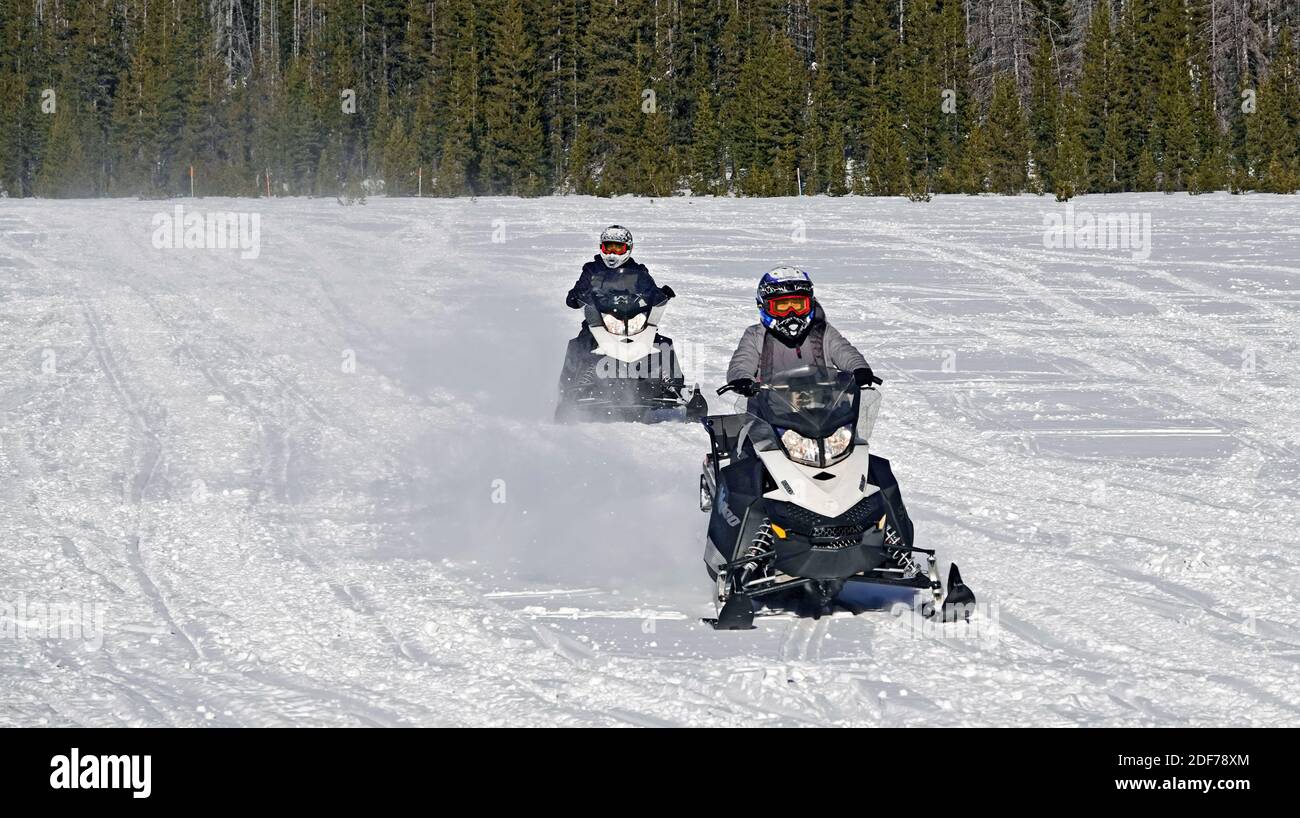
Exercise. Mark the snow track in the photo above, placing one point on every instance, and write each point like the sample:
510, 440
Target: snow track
320, 487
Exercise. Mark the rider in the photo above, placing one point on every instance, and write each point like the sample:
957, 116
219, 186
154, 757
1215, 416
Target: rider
792, 332
612, 270
614, 262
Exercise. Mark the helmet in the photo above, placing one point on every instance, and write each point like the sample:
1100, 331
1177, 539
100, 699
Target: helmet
615, 245
785, 304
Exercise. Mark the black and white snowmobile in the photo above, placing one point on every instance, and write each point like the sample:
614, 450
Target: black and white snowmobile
799, 508
620, 368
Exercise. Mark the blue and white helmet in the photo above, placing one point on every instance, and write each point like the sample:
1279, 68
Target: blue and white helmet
785, 303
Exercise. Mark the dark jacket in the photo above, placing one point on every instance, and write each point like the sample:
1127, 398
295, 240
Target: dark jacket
760, 355
629, 275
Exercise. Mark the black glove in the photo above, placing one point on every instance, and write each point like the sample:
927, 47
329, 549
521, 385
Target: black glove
667, 291
744, 386
864, 376
572, 301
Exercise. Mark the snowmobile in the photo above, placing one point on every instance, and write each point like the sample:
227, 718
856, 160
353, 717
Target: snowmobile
799, 508
620, 368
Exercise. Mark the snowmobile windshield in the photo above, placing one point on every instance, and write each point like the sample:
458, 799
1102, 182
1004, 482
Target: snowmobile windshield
814, 402
622, 302
621, 312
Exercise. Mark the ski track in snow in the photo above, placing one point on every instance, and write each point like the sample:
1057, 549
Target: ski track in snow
276, 540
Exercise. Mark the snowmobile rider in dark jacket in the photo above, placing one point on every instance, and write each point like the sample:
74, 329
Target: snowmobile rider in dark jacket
792, 333
615, 262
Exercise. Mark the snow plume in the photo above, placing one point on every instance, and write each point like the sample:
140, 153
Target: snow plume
503, 485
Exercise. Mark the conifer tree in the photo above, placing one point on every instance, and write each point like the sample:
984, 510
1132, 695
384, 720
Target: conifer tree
1007, 137
400, 162
1044, 106
580, 179
1271, 131
512, 150
1176, 127
1148, 173
1069, 170
763, 119
1098, 118
65, 171
887, 168
707, 175
536, 96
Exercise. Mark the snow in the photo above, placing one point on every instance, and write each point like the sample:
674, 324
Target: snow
318, 484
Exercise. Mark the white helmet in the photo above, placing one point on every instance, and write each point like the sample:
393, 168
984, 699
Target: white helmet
611, 238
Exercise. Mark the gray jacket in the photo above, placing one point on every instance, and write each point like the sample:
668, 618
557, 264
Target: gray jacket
823, 346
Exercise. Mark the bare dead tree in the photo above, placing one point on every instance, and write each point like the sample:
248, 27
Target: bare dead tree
230, 38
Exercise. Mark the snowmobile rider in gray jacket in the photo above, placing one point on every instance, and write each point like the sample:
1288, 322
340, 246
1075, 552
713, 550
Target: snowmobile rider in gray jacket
792, 333
614, 261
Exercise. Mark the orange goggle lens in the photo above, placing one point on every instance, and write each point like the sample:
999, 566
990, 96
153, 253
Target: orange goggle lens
789, 305
618, 248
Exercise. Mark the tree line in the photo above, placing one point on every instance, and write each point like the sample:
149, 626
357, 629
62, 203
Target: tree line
649, 97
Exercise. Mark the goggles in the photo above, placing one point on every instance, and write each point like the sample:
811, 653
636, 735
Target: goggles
784, 305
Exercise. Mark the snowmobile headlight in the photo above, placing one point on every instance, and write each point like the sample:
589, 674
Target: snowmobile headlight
801, 449
636, 323
613, 325
838, 443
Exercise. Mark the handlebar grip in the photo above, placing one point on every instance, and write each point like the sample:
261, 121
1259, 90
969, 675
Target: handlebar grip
876, 380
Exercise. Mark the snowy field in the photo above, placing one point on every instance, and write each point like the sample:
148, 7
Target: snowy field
321, 486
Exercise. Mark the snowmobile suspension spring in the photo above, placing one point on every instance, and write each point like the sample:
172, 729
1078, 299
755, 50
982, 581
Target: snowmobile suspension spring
903, 558
762, 543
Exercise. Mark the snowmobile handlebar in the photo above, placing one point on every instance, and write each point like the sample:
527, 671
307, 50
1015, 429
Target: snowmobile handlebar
722, 390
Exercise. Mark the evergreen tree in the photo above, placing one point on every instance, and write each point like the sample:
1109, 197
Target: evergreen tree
1044, 106
534, 96
1099, 119
65, 171
887, 169
1007, 138
1271, 132
1211, 171
513, 147
580, 179
1069, 170
870, 59
456, 93
707, 174
764, 119
400, 162
1147, 178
